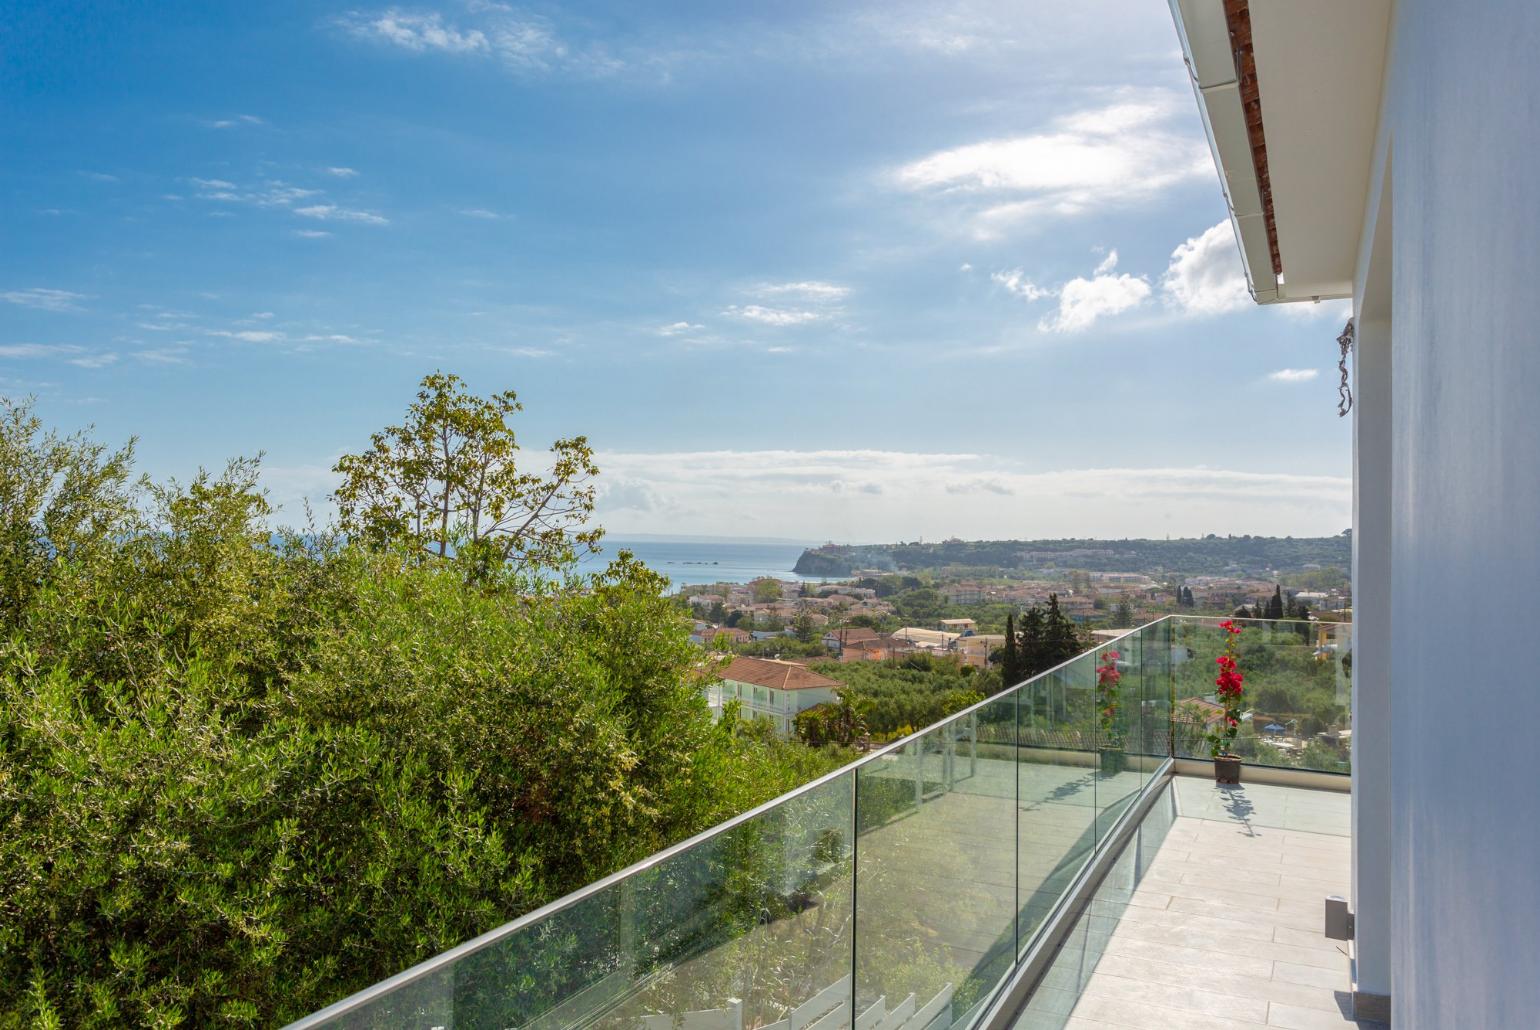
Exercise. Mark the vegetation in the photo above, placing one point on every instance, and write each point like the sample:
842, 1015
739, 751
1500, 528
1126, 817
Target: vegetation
242, 775
1044, 637
447, 481
898, 696
1210, 555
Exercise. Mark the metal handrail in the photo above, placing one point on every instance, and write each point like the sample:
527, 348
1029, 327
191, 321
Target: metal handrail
434, 964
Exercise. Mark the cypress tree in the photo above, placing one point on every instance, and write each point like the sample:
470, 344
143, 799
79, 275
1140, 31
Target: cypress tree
1060, 641
1275, 606
1029, 639
1010, 661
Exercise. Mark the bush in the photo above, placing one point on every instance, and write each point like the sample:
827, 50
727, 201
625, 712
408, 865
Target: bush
243, 776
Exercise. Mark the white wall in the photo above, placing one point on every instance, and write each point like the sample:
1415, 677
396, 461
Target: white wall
1373, 629
1465, 89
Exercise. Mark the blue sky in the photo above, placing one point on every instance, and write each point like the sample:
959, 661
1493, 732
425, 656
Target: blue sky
854, 271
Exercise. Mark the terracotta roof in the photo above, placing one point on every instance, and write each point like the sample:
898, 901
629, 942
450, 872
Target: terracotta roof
852, 635
767, 672
1212, 713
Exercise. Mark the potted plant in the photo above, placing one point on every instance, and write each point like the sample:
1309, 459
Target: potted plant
1231, 693
1110, 754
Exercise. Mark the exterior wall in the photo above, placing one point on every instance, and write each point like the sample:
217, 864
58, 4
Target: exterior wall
1373, 629
779, 706
1465, 131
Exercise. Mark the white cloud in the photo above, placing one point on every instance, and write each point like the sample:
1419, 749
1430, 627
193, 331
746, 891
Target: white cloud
1015, 281
772, 316
811, 290
333, 213
533, 353
417, 32
1294, 375
1113, 156
39, 350
1205, 276
44, 299
101, 360
888, 495
162, 356
522, 42
230, 123
1082, 301
249, 335
676, 328
341, 172
276, 193
311, 234
480, 212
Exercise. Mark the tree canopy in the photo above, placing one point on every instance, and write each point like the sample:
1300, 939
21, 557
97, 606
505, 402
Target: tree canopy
447, 480
245, 774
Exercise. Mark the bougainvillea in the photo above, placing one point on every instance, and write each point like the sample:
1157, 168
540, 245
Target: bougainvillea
1231, 692
1109, 698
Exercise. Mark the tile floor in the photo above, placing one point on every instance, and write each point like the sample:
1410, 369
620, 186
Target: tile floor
1212, 919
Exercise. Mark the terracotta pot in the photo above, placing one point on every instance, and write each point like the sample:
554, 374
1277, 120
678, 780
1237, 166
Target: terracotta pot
1227, 769
1112, 761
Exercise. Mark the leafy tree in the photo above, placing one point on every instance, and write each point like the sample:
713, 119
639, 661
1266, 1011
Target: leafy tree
766, 591
447, 482
804, 629
61, 497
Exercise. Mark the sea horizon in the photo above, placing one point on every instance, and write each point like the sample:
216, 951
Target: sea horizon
692, 561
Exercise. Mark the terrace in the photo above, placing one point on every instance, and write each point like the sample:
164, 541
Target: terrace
1020, 863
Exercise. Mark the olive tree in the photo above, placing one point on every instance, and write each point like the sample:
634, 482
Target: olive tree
447, 483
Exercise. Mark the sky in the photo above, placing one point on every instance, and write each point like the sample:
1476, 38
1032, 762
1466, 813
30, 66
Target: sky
857, 272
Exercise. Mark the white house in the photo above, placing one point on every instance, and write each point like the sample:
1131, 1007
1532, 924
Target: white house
771, 688
1386, 151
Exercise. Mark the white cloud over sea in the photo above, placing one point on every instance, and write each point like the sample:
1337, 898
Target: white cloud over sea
874, 495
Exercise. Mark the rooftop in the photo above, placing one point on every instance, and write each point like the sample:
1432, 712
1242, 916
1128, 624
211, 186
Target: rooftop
777, 674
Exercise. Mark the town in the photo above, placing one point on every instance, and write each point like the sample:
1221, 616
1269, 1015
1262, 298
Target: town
795, 656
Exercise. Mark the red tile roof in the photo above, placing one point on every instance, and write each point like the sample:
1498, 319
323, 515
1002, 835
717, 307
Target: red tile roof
767, 672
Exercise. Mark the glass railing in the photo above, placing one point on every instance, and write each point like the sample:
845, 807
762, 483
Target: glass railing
1298, 691
898, 893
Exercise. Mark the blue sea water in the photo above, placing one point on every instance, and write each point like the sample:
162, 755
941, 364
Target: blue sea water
688, 562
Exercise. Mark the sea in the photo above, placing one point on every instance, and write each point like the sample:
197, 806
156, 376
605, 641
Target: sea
687, 561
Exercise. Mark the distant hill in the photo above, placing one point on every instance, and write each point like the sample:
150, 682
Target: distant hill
1210, 555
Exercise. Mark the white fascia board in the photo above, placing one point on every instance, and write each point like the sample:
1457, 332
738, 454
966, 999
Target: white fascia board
1205, 40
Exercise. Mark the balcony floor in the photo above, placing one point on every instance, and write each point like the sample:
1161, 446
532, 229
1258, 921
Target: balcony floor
1211, 919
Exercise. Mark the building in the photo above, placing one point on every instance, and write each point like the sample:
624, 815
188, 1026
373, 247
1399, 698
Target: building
963, 593
719, 636
976, 648
962, 627
1381, 150
925, 639
773, 689
836, 640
